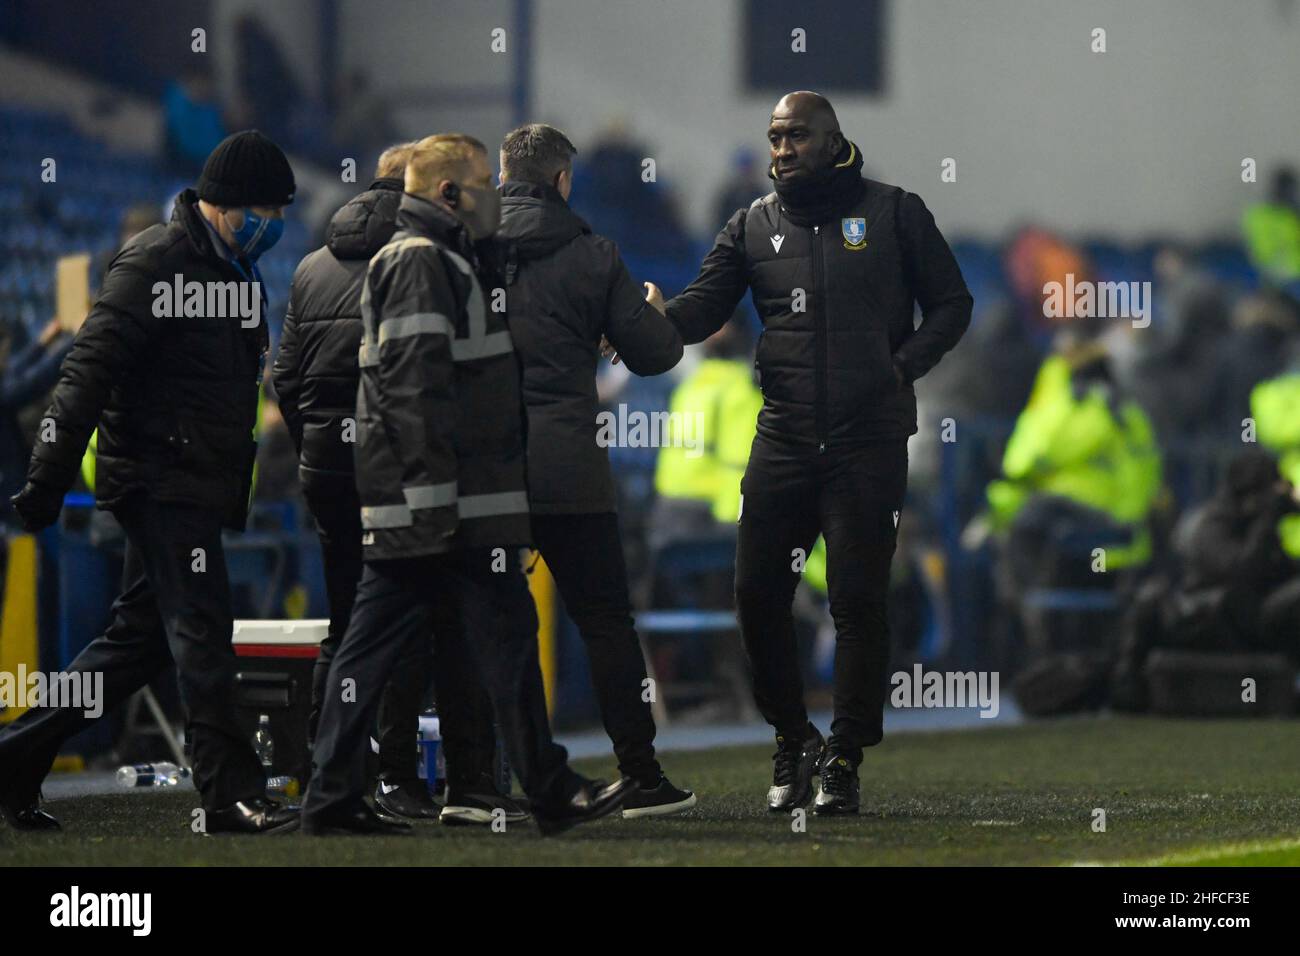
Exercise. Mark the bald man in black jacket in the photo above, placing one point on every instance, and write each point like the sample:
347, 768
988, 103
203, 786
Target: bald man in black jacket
836, 264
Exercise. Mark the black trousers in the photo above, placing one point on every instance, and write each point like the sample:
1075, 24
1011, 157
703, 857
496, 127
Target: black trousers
585, 555
174, 607
852, 496
468, 738
399, 604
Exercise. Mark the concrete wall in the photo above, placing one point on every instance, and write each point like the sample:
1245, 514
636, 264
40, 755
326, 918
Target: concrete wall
1148, 136
1145, 138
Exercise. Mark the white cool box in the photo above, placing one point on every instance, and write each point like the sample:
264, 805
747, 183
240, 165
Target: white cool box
276, 659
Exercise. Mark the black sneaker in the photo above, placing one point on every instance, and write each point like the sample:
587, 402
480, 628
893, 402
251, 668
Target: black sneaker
839, 792
474, 804
657, 800
794, 764
406, 798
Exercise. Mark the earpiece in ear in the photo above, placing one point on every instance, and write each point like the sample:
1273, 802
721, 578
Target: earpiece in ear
451, 193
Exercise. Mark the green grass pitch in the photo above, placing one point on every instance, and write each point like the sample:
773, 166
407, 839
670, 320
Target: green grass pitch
1174, 793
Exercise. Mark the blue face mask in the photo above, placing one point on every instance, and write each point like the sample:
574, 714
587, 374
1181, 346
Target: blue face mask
257, 234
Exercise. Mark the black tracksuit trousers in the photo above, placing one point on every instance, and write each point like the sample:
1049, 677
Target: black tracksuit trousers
584, 553
174, 608
852, 495
465, 713
399, 604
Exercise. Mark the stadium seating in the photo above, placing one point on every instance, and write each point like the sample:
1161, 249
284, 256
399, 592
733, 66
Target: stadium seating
81, 210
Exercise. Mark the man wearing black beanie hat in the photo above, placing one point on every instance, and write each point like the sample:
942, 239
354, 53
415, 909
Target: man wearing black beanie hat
245, 184
167, 366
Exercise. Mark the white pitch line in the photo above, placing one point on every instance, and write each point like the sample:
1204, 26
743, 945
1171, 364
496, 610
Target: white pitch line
1204, 854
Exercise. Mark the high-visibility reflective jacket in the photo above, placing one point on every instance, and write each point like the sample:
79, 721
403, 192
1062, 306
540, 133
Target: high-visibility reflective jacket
1079, 449
710, 429
1275, 406
1273, 241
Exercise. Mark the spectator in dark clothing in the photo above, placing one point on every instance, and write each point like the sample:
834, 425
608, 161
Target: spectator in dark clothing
991, 376
1179, 377
1231, 542
566, 290
1234, 587
1259, 347
28, 375
1181, 380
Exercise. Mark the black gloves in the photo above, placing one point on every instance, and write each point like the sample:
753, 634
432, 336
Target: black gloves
37, 506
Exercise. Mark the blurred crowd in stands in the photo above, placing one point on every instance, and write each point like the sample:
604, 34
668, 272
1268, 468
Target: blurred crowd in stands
353, 122
1082, 486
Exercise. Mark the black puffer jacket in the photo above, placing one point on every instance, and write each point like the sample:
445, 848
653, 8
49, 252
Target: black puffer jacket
315, 372
566, 288
836, 300
440, 419
175, 399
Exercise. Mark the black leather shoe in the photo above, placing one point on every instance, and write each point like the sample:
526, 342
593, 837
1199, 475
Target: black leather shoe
362, 821
839, 792
26, 815
258, 815
407, 798
594, 799
793, 766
